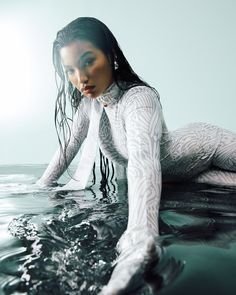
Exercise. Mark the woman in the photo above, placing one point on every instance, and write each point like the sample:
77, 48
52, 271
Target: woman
119, 111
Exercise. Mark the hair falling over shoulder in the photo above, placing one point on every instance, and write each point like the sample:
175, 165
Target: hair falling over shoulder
92, 30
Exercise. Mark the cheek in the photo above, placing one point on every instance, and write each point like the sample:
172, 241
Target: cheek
96, 71
101, 71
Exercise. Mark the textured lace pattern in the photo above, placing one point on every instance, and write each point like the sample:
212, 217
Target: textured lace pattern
133, 134
79, 130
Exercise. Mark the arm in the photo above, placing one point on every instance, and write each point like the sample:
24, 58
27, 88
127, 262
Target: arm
58, 165
143, 123
144, 128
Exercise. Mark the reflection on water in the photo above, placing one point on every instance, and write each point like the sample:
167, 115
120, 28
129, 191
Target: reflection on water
64, 243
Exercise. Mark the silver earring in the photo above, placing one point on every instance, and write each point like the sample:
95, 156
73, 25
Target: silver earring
116, 66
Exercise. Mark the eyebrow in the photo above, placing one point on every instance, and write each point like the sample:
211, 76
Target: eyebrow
83, 56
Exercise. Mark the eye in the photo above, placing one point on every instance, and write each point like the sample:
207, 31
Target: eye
88, 62
69, 71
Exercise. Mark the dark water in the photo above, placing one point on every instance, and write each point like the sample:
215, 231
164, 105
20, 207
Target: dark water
58, 243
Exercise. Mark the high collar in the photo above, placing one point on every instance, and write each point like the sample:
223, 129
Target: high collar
111, 95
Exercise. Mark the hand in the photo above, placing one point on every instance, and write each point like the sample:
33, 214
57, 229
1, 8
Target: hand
131, 264
44, 185
40, 184
72, 185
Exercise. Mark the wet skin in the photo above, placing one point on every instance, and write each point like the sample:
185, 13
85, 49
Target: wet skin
87, 68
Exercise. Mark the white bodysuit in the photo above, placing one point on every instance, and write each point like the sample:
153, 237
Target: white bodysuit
133, 133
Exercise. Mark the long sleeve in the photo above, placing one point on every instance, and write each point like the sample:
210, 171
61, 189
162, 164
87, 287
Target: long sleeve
143, 123
137, 247
144, 128
58, 164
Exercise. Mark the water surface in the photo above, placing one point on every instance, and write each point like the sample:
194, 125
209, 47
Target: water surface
64, 243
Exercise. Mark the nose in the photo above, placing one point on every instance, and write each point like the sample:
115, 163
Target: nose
81, 77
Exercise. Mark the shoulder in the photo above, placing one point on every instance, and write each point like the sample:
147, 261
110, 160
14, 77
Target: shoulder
141, 97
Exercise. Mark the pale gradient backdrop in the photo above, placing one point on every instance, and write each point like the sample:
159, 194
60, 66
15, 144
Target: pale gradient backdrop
184, 48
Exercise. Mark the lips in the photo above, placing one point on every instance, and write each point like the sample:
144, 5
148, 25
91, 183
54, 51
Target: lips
88, 89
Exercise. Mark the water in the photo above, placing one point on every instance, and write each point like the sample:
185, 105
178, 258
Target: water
64, 243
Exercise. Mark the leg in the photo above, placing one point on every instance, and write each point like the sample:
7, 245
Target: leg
223, 161
225, 154
188, 151
217, 177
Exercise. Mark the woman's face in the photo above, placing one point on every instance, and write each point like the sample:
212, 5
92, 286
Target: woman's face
87, 68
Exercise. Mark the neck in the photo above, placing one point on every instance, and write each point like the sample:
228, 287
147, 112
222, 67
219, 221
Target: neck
111, 95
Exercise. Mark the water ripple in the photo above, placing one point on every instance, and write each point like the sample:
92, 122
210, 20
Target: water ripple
66, 244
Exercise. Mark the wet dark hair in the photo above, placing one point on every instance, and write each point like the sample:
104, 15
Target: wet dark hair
92, 30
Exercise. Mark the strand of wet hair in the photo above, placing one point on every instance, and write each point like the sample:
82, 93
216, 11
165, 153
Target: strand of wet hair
94, 174
107, 173
64, 133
